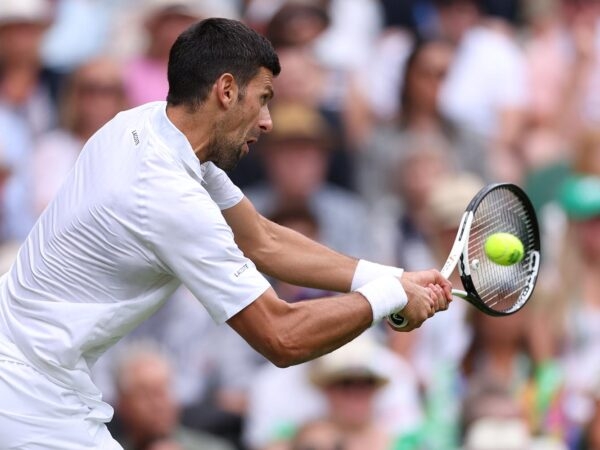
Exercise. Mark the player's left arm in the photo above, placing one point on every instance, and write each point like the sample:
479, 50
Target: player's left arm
287, 255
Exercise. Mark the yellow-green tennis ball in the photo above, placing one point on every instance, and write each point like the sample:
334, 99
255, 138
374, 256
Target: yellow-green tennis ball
504, 248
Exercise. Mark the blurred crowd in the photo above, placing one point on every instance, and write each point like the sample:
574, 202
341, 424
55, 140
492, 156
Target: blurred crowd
389, 115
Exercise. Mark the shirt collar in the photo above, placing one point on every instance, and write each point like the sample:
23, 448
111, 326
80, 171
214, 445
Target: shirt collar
174, 139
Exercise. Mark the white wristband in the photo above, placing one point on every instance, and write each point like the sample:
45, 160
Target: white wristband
368, 271
386, 296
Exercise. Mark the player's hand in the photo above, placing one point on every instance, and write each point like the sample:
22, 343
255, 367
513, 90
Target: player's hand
427, 292
433, 279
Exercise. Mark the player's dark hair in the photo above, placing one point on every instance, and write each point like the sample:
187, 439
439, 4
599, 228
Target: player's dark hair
210, 48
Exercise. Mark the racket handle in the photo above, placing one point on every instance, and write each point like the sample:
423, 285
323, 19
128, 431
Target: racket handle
397, 321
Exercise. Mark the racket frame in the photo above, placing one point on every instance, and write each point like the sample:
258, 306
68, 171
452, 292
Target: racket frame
459, 256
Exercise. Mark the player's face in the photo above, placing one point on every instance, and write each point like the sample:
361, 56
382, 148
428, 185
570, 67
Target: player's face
246, 121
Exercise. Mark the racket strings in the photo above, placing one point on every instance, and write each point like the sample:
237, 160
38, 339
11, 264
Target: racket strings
500, 287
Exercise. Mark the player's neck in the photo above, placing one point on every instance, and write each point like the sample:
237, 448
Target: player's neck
195, 125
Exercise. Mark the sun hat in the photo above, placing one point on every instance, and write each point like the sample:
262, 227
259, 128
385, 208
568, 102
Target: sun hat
356, 360
292, 120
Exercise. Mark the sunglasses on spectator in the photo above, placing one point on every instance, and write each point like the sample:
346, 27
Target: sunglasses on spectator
354, 383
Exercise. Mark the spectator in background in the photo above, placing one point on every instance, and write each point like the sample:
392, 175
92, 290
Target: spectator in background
93, 94
296, 160
25, 87
435, 351
163, 20
349, 378
146, 74
297, 24
580, 299
398, 217
591, 437
562, 53
492, 419
488, 99
302, 220
273, 419
319, 44
80, 32
27, 100
320, 434
210, 382
14, 138
353, 27
419, 120
501, 350
147, 408
8, 247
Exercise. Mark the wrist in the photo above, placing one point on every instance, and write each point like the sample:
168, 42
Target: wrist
385, 295
367, 271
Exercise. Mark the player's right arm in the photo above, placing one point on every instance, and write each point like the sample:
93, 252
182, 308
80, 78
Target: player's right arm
192, 242
292, 333
287, 255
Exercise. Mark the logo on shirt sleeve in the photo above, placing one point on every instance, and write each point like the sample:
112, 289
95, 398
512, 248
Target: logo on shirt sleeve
135, 136
241, 270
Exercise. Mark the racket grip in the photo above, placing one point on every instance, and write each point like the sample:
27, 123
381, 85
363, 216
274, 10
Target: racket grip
397, 321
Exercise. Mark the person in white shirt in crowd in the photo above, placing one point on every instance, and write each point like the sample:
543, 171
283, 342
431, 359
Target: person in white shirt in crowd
27, 92
483, 94
92, 96
149, 207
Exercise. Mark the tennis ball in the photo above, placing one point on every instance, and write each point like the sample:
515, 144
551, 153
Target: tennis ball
504, 248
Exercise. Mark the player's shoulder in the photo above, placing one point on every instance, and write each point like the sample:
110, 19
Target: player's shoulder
141, 110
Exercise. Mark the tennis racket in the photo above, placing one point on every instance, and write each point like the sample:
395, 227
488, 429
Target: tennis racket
495, 289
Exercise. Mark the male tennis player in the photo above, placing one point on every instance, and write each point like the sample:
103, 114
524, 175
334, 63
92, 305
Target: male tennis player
147, 207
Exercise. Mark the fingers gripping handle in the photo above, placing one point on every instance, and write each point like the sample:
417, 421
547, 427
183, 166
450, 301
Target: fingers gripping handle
396, 320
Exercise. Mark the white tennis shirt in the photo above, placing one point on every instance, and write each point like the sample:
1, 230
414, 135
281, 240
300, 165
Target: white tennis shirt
136, 217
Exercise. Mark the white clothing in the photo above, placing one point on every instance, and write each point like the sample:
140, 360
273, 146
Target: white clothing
488, 75
54, 157
32, 406
138, 216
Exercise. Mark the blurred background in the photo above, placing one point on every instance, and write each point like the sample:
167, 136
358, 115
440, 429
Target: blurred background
388, 116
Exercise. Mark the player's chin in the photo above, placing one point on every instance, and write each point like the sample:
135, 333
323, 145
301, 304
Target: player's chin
231, 163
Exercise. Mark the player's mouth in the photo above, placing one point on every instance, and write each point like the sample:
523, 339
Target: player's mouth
248, 143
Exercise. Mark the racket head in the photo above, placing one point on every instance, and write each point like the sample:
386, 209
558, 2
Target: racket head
495, 289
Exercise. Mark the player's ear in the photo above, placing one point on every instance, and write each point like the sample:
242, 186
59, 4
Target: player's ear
226, 90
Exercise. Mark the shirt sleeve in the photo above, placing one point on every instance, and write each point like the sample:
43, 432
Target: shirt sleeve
220, 187
191, 237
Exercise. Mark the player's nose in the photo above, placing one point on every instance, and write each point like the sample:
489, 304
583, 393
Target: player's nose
264, 120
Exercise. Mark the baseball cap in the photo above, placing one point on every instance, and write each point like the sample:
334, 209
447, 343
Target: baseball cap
356, 360
579, 196
28, 11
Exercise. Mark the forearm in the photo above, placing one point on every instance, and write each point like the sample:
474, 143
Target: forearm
298, 332
296, 259
289, 256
